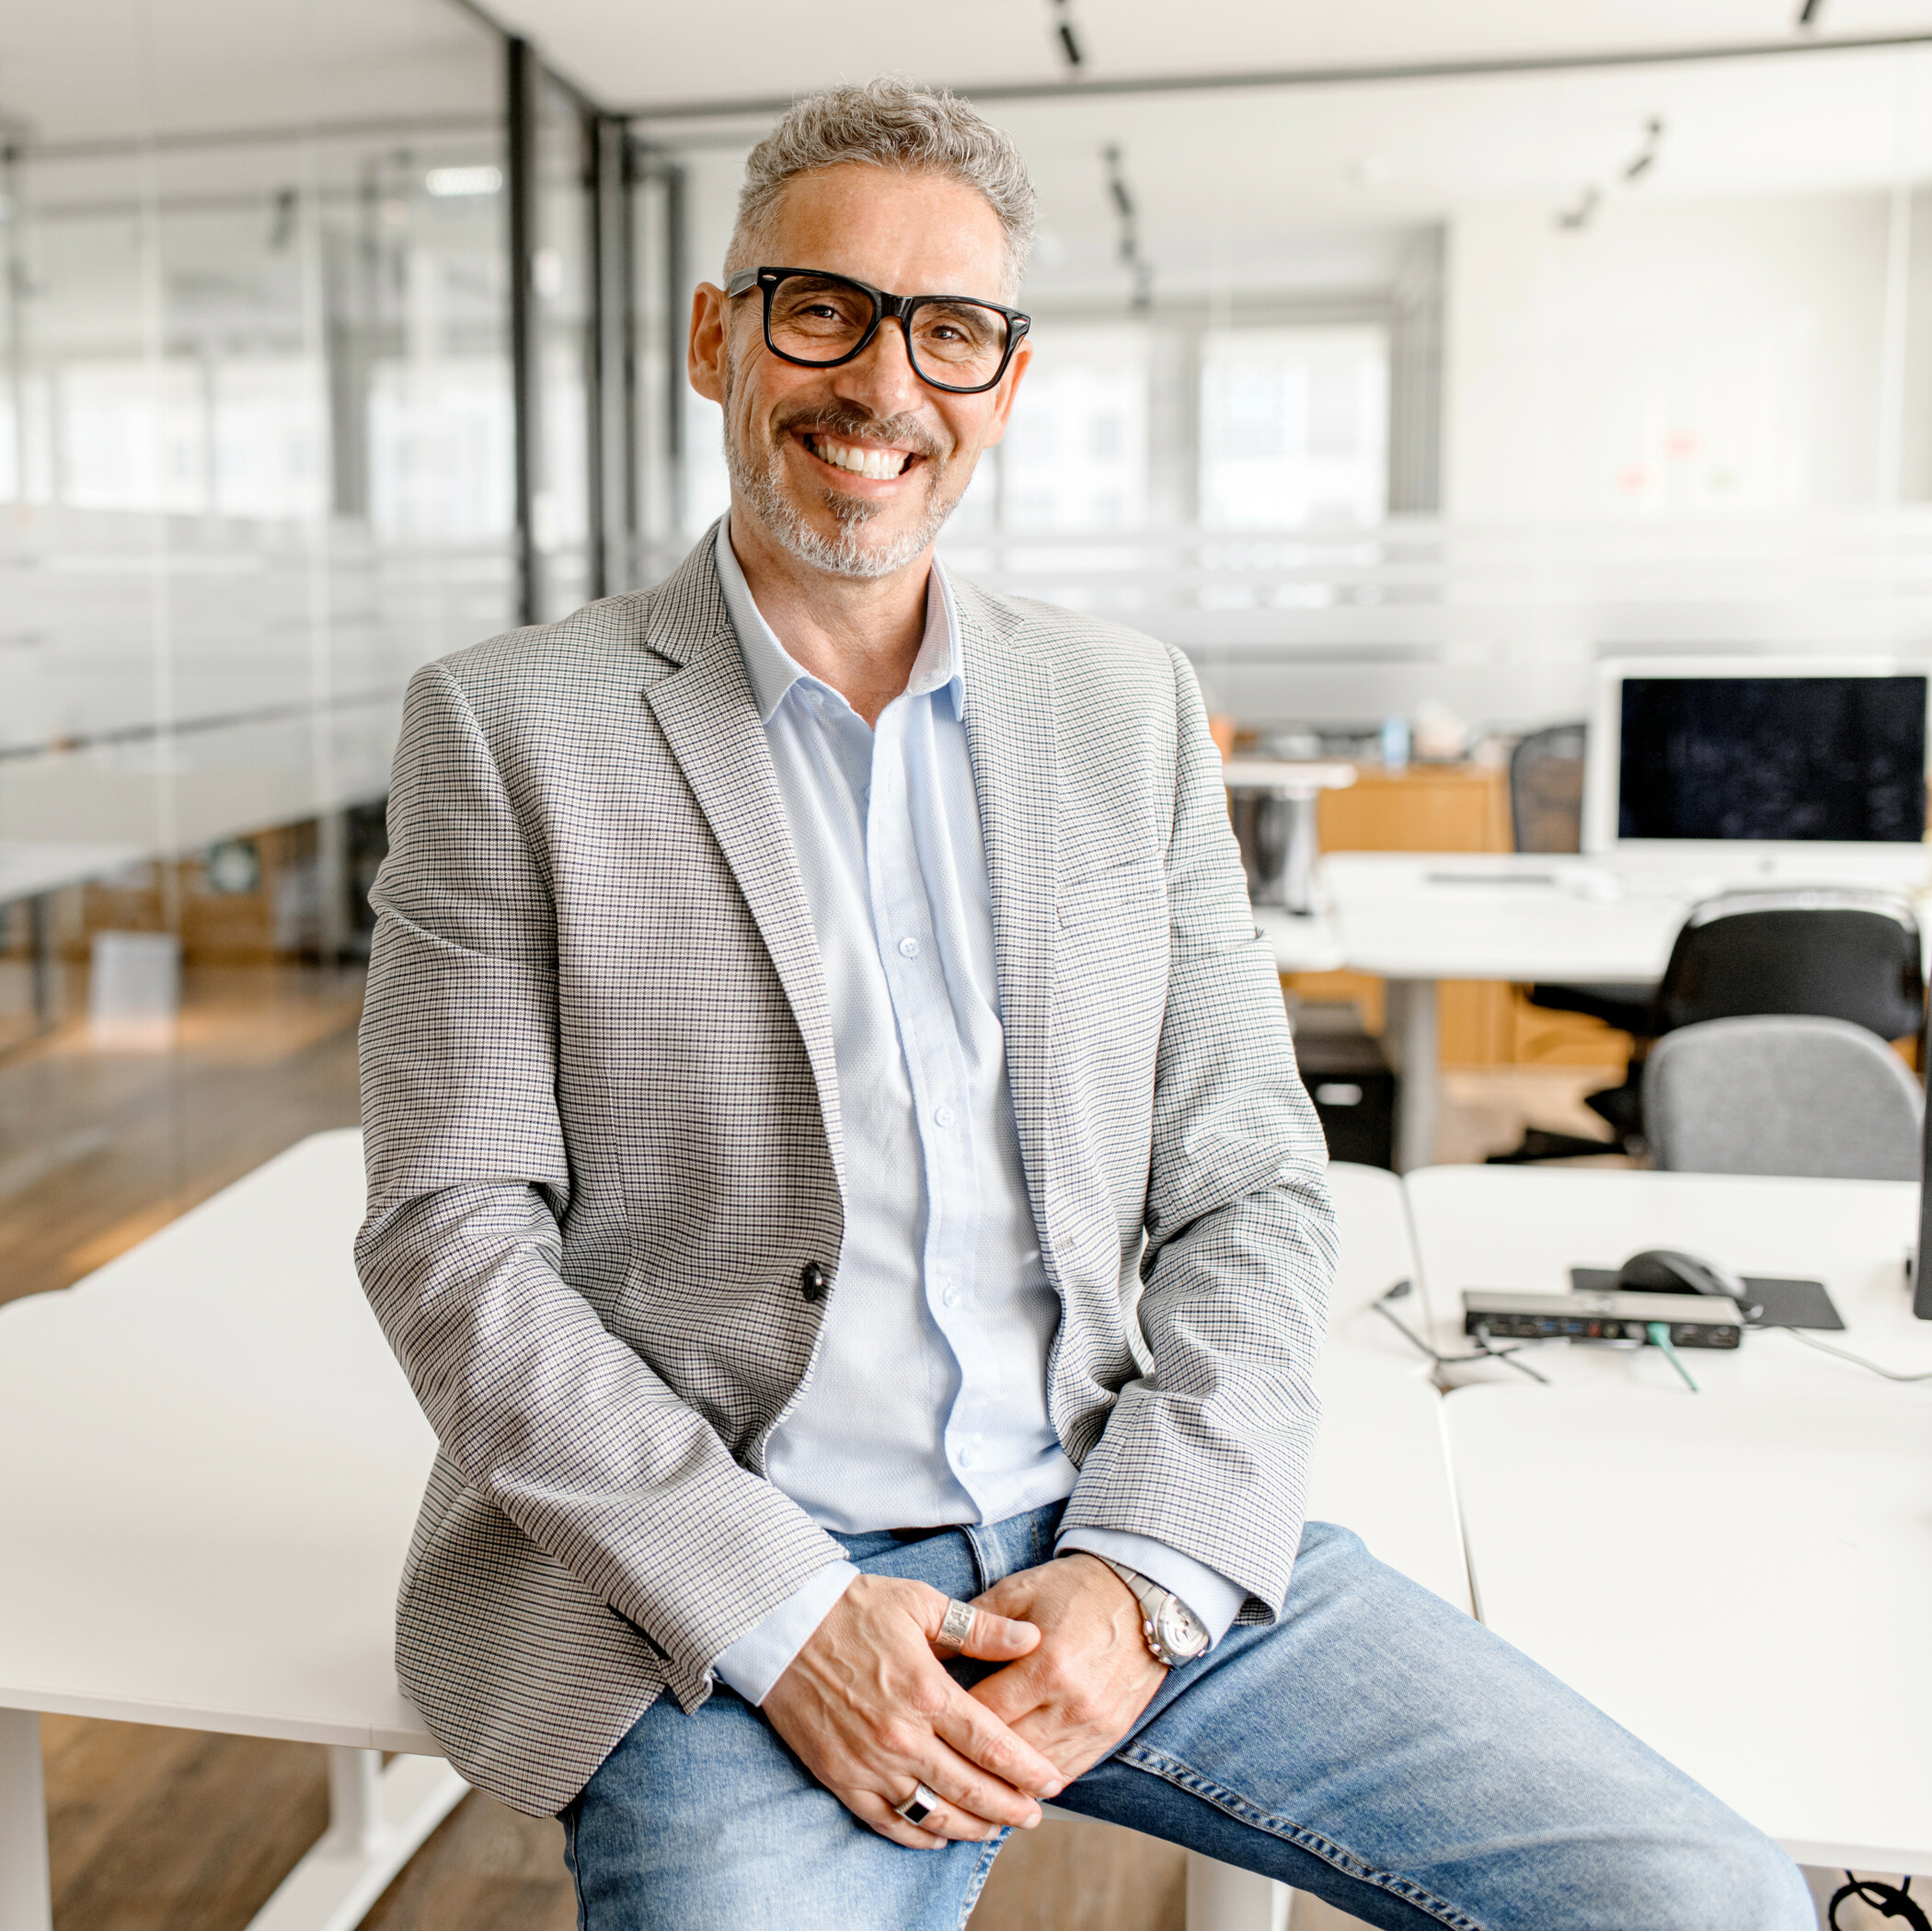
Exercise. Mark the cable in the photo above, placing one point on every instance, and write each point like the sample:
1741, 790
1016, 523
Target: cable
1484, 1351
1891, 1900
1857, 1360
1659, 1334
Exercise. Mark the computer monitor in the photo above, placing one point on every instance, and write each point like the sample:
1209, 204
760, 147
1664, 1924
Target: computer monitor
1796, 766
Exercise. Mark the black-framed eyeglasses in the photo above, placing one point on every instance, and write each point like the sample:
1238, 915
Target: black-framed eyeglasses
819, 321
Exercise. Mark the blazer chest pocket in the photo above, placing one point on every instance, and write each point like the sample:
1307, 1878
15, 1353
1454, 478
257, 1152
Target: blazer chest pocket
1124, 898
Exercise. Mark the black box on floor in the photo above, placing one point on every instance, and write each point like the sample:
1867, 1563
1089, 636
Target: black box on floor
1349, 1079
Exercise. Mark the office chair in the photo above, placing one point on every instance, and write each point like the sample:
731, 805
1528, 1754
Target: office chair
1825, 952
1547, 815
1781, 1095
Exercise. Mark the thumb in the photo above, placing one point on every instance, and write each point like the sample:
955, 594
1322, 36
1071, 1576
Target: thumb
988, 1638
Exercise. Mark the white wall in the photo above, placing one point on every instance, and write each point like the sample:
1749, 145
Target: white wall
1670, 357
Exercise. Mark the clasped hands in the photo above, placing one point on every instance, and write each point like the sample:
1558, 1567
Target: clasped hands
869, 1709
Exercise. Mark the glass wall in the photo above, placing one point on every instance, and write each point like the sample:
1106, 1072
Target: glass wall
255, 436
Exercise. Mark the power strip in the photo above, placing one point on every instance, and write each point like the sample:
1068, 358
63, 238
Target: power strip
1692, 1320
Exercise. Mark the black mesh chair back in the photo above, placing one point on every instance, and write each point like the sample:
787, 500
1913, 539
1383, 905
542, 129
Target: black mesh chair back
1832, 954
1546, 789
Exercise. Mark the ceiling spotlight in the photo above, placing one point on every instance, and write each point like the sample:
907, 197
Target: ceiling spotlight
1644, 159
1580, 213
1069, 41
1129, 249
1807, 13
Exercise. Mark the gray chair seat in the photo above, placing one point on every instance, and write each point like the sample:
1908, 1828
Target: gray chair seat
1781, 1095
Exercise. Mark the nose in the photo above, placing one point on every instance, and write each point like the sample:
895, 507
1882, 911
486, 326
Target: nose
882, 379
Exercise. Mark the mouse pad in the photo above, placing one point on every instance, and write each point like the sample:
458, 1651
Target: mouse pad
1786, 1303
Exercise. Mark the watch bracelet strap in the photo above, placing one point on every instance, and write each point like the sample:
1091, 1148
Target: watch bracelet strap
1150, 1596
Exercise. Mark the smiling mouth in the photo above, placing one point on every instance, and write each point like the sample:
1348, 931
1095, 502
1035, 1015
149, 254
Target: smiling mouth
860, 458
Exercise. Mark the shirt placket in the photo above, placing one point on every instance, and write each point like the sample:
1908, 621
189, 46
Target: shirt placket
936, 1068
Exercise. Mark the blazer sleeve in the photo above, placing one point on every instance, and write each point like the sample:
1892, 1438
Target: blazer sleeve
547, 1414
1210, 1451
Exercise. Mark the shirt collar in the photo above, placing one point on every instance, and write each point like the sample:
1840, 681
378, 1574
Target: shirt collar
773, 669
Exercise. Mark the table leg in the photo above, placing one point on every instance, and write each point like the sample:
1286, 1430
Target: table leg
376, 1819
1411, 1035
25, 1900
1221, 1898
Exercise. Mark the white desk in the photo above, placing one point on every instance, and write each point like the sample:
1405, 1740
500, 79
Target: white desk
210, 1464
208, 1467
1740, 1577
1415, 918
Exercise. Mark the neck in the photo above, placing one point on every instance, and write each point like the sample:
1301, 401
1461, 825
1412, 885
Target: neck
860, 635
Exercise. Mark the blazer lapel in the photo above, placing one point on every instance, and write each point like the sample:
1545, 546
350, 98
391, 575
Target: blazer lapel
706, 710
1011, 741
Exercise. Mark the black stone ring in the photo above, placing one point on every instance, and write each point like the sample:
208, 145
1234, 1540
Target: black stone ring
920, 1805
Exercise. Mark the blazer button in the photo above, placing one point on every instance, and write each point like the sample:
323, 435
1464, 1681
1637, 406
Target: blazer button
811, 1280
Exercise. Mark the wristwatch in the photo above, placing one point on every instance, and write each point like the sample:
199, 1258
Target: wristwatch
1173, 1633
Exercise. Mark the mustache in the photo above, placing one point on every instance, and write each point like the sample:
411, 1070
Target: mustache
906, 432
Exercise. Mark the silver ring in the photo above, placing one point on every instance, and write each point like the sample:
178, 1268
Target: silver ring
920, 1805
955, 1628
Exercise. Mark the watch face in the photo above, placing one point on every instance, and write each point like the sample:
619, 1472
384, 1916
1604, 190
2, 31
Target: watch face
1182, 1633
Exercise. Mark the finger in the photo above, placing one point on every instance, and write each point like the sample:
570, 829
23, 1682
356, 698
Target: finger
976, 1799
979, 1736
989, 1637
1014, 1692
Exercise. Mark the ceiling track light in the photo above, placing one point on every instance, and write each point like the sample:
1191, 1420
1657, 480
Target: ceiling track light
1139, 268
1065, 37
1807, 13
1645, 158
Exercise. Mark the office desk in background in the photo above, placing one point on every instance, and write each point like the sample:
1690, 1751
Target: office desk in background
1415, 918
1742, 1577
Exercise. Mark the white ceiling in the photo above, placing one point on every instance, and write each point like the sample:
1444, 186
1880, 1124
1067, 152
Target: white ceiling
630, 54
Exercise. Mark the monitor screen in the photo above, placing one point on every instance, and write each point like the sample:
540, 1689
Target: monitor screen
1838, 758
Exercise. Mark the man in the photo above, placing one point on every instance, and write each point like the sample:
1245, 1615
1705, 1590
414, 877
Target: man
835, 1150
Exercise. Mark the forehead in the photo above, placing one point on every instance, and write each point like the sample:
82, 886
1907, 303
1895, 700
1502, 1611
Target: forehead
911, 234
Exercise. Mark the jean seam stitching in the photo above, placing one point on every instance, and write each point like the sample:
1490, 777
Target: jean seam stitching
981, 1870
1184, 1777
568, 1820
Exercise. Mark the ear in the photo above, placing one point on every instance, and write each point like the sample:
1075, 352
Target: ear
1009, 388
705, 356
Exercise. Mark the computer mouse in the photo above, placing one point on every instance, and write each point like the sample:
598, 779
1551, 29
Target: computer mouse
1667, 1270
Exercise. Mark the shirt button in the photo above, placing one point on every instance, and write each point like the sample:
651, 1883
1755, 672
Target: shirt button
967, 1455
909, 948
942, 1116
951, 1297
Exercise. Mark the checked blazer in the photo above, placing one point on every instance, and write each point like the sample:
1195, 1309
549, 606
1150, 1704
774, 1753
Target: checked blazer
604, 1145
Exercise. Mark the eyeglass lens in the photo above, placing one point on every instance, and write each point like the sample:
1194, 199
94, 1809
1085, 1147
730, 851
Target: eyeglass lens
821, 319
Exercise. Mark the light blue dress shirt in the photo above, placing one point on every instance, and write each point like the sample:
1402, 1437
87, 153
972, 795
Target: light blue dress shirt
928, 1402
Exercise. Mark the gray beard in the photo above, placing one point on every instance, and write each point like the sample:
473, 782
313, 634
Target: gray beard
847, 554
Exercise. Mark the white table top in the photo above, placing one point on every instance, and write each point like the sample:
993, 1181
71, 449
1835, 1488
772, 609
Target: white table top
1739, 1577
1380, 1466
210, 1464
1499, 915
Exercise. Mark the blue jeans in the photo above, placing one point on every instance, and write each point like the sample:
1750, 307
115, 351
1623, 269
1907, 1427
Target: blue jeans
1375, 1747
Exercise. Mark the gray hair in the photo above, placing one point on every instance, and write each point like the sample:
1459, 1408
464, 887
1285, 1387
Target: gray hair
887, 124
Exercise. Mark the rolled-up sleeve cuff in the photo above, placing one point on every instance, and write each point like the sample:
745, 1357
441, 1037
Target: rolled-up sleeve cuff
1206, 1591
765, 1651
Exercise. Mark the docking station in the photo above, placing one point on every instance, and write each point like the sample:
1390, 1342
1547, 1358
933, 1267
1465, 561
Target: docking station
1691, 1320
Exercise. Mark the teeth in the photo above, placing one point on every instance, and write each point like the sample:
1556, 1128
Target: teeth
881, 463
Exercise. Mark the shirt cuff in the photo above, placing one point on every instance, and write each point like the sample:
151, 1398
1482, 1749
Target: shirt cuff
765, 1651
1206, 1591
